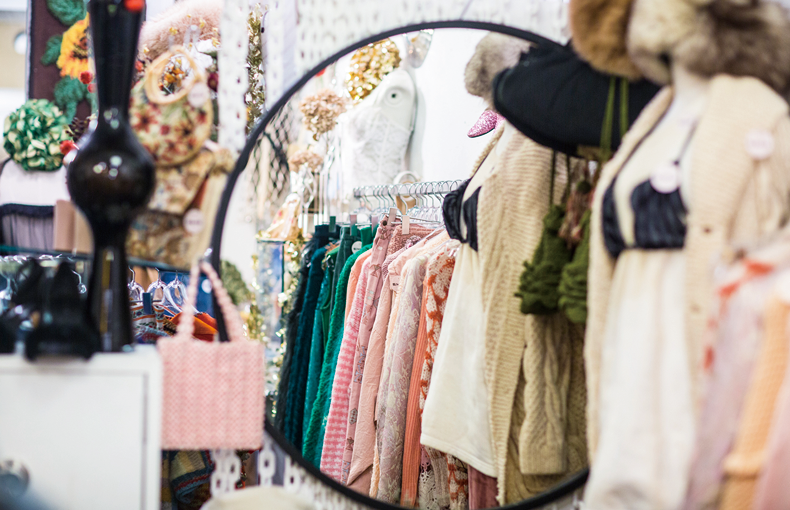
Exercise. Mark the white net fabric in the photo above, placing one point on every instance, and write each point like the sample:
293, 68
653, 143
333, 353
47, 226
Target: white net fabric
232, 62
326, 26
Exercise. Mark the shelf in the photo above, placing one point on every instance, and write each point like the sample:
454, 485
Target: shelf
17, 250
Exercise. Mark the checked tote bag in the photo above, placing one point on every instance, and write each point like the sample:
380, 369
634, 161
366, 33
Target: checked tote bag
213, 391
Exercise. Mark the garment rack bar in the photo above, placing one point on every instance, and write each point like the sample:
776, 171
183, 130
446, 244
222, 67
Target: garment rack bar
408, 190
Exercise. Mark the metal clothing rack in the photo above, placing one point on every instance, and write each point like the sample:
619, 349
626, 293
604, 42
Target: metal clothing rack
413, 189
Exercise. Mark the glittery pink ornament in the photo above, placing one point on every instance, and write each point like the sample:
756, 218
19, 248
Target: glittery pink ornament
488, 121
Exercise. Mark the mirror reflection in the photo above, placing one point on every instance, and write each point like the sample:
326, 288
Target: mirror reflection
413, 263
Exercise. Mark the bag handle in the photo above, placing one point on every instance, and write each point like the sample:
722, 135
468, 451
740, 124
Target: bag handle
158, 66
186, 326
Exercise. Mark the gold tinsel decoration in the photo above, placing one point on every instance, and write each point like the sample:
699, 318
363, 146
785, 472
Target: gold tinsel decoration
255, 98
369, 65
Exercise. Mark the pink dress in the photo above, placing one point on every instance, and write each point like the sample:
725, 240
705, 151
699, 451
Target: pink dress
394, 386
396, 242
736, 332
364, 437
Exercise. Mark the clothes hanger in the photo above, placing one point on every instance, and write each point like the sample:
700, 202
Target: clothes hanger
174, 294
135, 289
156, 289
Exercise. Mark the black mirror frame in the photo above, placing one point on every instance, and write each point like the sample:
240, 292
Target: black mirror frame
555, 494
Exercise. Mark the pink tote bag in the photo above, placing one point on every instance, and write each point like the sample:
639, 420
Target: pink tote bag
213, 391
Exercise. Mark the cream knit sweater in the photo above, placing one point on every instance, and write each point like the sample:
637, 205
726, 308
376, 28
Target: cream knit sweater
535, 350
736, 198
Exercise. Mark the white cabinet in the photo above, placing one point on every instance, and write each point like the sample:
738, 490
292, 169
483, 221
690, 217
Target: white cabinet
88, 432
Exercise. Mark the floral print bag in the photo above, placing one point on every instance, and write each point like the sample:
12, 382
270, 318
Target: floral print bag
177, 225
172, 122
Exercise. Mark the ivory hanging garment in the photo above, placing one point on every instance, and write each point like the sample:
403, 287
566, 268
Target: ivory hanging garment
647, 417
443, 479
737, 196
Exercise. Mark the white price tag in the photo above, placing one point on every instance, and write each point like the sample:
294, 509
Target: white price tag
356, 246
193, 221
199, 95
665, 178
759, 144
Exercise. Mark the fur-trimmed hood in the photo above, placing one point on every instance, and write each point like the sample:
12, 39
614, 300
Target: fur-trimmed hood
598, 29
494, 53
738, 37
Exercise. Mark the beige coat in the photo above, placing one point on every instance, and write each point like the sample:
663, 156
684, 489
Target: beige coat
737, 198
531, 375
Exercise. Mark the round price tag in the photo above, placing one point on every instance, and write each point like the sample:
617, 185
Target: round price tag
356, 246
193, 221
759, 144
199, 95
665, 178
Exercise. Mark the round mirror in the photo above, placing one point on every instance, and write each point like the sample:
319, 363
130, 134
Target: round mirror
401, 369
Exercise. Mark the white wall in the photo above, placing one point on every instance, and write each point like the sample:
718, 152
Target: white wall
440, 149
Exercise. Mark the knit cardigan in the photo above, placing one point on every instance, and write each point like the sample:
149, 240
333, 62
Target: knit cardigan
512, 204
736, 198
316, 424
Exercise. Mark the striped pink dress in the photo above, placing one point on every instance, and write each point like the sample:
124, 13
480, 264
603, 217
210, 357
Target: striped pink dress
335, 435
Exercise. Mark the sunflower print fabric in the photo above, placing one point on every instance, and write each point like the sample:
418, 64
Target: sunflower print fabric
73, 59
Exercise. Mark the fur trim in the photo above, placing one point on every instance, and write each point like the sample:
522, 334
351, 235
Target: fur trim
155, 33
656, 27
494, 53
740, 38
598, 31
709, 37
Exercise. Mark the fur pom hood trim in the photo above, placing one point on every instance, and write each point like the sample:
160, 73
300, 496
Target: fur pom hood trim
634, 38
598, 29
494, 53
741, 38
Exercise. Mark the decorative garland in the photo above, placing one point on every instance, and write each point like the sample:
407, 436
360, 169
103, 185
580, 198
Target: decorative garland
69, 52
234, 283
34, 134
255, 92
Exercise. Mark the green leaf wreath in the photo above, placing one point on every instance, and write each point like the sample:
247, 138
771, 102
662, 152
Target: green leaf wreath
33, 135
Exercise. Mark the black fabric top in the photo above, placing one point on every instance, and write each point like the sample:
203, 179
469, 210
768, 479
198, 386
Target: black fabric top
454, 209
556, 99
659, 220
29, 211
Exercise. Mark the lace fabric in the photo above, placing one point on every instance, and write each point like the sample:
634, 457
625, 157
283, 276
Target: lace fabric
373, 148
452, 487
392, 423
